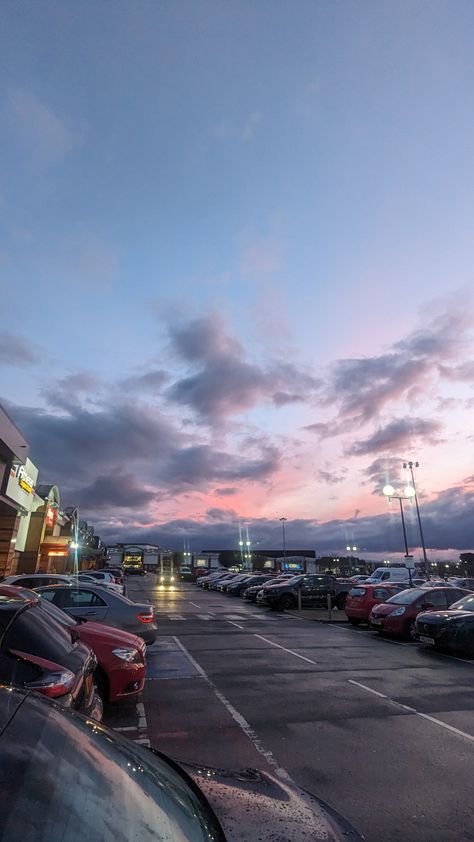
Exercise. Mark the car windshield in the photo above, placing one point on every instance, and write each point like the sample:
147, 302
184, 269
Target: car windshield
58, 615
69, 780
407, 597
464, 604
357, 591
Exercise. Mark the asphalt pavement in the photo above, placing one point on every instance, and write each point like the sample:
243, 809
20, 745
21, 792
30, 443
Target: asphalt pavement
381, 730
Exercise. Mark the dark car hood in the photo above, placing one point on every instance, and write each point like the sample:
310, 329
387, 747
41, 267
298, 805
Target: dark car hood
444, 616
253, 805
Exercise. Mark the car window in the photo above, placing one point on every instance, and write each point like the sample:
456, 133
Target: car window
53, 611
49, 594
80, 598
464, 604
26, 582
385, 576
381, 593
407, 597
34, 632
454, 594
436, 598
357, 591
62, 779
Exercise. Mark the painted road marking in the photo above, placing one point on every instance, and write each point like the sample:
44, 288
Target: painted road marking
195, 605
409, 709
238, 718
176, 617
235, 624
290, 651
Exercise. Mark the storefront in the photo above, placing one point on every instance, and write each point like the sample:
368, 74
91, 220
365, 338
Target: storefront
17, 479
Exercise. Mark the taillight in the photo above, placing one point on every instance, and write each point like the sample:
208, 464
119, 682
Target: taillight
146, 618
56, 681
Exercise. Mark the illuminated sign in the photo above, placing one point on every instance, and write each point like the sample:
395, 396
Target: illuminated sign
24, 480
57, 552
201, 562
293, 565
51, 514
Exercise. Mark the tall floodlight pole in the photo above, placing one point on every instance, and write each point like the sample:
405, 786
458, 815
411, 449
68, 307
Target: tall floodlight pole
410, 466
283, 521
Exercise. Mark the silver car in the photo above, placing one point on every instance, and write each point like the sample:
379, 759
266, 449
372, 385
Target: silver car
93, 602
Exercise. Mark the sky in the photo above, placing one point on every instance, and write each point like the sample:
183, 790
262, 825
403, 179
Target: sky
236, 266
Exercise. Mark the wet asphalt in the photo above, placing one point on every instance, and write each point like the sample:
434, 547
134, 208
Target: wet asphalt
381, 730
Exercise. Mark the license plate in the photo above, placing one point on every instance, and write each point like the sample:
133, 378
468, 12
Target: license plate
425, 639
376, 622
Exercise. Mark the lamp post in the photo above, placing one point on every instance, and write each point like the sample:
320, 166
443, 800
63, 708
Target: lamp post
283, 521
241, 545
410, 466
409, 493
351, 550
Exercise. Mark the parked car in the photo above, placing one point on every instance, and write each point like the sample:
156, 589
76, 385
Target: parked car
238, 588
252, 591
121, 663
398, 614
359, 579
38, 653
449, 629
36, 580
117, 573
64, 777
106, 580
223, 585
361, 599
92, 602
216, 584
205, 581
389, 574
460, 582
315, 588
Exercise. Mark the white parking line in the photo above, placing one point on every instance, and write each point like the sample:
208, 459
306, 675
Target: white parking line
196, 606
409, 709
290, 651
235, 624
238, 718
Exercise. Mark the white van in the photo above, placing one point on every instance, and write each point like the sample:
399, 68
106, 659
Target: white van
389, 574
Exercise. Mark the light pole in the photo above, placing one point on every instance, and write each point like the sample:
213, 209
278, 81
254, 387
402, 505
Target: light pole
283, 521
248, 564
412, 465
351, 550
241, 545
409, 493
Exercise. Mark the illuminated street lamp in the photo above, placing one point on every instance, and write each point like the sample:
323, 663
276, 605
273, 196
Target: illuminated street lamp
409, 493
410, 466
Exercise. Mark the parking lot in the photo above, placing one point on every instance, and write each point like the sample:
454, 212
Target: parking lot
382, 730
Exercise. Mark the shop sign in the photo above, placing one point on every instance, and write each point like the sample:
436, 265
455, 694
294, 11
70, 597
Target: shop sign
21, 484
24, 480
57, 552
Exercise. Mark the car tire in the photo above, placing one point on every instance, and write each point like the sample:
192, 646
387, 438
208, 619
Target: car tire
410, 632
353, 622
102, 684
286, 602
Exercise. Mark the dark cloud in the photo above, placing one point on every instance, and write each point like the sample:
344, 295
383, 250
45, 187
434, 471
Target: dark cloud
68, 392
361, 388
203, 463
398, 435
386, 470
16, 351
221, 514
121, 491
226, 491
151, 381
222, 381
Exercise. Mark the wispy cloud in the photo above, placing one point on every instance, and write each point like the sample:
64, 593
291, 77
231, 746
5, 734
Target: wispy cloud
16, 350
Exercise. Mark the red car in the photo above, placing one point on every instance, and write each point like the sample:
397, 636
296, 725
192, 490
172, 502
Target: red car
121, 664
362, 598
398, 614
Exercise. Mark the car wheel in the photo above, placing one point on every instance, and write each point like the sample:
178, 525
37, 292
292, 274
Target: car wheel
353, 622
102, 684
286, 601
410, 630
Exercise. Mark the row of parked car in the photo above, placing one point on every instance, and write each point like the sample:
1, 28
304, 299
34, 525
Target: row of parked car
75, 639
436, 613
283, 591
65, 776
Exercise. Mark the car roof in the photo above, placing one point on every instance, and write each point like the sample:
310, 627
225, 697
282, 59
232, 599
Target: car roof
18, 593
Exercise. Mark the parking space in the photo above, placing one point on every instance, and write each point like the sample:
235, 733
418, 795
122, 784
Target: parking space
383, 730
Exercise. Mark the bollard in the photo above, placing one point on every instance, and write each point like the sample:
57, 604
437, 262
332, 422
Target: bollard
299, 599
329, 602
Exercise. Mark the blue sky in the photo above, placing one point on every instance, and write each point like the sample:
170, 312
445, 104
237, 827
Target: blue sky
296, 178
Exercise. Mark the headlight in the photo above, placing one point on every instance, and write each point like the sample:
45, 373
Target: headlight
130, 655
398, 612
162, 578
